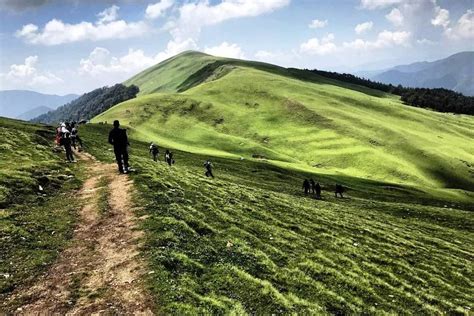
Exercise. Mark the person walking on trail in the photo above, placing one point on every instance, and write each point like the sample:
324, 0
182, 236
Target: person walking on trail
154, 151
118, 138
339, 190
75, 137
208, 165
169, 157
318, 190
66, 142
306, 186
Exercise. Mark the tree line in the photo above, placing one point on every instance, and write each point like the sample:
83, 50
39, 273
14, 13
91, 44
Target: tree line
90, 104
438, 99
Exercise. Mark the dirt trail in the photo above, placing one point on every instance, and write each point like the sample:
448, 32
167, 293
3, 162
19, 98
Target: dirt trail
100, 273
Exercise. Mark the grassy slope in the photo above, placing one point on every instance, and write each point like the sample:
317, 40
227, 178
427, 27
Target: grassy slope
376, 252
34, 225
390, 248
311, 124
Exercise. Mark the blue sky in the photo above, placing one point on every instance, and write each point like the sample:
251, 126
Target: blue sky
73, 46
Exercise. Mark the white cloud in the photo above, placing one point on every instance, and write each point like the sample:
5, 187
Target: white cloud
464, 28
56, 32
363, 27
158, 9
441, 18
27, 76
226, 50
425, 41
193, 16
384, 39
175, 47
316, 24
108, 15
395, 17
314, 46
100, 62
377, 4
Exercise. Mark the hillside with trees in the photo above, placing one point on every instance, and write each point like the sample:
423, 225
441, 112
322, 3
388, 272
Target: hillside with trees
90, 104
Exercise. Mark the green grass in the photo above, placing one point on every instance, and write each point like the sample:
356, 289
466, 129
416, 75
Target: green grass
308, 124
385, 249
34, 224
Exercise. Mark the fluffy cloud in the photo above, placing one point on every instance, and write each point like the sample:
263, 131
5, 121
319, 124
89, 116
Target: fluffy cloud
377, 4
108, 15
175, 47
395, 17
363, 27
100, 62
384, 39
314, 46
316, 24
27, 76
158, 9
226, 50
56, 32
441, 18
464, 28
194, 16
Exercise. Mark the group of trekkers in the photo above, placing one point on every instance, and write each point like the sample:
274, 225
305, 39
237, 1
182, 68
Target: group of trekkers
310, 186
118, 138
67, 136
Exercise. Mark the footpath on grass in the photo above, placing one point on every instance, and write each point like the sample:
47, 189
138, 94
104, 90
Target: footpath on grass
101, 271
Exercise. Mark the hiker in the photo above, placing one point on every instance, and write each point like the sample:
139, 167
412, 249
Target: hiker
339, 190
306, 186
169, 157
57, 140
66, 142
208, 166
118, 138
318, 190
75, 137
154, 151
313, 186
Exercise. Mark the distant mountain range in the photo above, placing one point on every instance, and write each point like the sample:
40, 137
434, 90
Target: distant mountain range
454, 72
25, 105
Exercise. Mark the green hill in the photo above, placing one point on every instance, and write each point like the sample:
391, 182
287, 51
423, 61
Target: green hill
295, 119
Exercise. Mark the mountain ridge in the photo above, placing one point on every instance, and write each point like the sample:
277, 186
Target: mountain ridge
14, 103
453, 72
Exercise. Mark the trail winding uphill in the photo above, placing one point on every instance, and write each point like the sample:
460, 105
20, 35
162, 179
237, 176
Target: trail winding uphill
101, 270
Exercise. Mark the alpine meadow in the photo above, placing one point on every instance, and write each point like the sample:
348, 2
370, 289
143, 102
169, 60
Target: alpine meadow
189, 183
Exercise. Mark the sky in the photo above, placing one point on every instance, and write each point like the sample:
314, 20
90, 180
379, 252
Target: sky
74, 46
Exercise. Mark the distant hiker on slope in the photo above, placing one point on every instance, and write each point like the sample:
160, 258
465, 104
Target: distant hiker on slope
306, 186
313, 186
169, 157
66, 142
118, 138
339, 190
318, 191
154, 151
208, 166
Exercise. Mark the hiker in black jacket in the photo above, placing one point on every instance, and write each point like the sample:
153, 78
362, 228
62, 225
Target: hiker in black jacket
306, 186
118, 138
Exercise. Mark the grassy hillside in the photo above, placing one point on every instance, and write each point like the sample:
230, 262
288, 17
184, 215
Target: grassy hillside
300, 121
37, 210
249, 241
